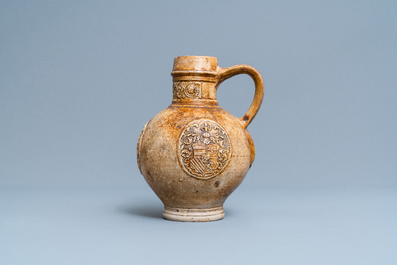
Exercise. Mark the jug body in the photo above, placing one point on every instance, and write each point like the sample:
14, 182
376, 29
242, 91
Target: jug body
194, 154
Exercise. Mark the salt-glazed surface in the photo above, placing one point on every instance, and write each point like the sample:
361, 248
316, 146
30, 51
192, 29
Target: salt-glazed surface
194, 154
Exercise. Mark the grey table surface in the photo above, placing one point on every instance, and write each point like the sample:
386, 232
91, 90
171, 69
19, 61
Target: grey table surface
263, 225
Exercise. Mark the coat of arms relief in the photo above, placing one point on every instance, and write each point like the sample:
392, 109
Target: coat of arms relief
204, 149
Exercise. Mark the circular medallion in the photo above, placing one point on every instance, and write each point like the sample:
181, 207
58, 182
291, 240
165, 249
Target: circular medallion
204, 149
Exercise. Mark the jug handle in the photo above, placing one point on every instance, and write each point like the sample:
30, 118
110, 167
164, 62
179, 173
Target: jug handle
228, 72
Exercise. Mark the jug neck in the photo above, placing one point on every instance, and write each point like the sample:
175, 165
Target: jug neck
192, 88
195, 80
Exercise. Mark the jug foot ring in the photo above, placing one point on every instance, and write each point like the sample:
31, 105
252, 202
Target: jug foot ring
193, 215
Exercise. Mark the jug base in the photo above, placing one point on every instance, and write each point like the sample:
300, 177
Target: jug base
193, 215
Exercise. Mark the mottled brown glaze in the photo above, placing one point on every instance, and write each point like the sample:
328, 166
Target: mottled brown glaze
194, 154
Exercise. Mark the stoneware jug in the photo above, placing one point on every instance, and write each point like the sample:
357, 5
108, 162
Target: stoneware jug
194, 154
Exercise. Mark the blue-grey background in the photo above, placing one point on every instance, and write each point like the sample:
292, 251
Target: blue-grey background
79, 79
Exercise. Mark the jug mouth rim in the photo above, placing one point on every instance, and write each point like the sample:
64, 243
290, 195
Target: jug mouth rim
189, 63
202, 56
